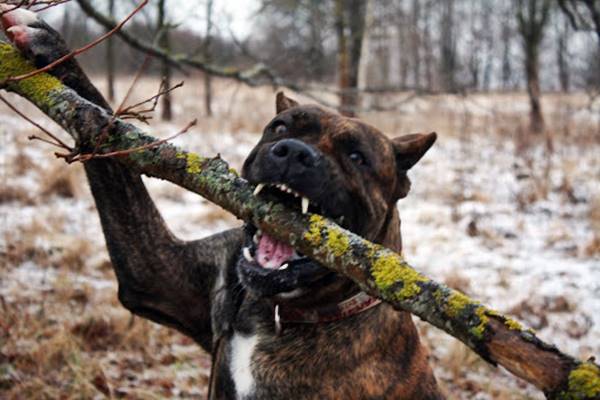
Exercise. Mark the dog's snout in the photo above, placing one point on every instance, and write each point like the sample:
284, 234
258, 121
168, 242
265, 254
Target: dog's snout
294, 152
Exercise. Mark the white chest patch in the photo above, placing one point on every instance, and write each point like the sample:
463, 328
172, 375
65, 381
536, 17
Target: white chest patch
242, 348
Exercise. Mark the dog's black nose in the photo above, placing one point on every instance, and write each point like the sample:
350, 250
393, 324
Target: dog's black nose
294, 152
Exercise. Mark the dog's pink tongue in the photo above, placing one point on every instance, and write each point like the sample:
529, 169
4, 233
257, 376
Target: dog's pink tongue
272, 253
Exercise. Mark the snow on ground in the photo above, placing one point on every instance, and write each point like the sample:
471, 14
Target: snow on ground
479, 217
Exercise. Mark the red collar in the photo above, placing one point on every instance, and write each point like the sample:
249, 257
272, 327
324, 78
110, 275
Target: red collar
333, 312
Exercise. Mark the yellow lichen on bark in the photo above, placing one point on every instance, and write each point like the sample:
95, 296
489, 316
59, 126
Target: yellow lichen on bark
37, 88
388, 270
584, 382
313, 235
458, 302
337, 242
193, 162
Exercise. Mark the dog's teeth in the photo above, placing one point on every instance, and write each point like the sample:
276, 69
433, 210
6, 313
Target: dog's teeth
284, 266
258, 188
305, 203
247, 255
255, 238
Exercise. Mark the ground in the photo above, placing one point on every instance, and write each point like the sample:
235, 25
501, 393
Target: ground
514, 223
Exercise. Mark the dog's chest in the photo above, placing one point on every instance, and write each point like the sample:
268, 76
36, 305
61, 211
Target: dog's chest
241, 349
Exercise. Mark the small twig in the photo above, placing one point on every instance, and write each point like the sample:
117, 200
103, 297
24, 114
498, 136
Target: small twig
80, 50
46, 4
57, 142
69, 158
129, 112
41, 139
17, 5
134, 83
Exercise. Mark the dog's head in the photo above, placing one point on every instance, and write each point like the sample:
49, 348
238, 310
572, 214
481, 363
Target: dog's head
331, 165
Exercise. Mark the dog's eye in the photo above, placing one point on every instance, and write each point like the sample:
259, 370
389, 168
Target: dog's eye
280, 129
357, 157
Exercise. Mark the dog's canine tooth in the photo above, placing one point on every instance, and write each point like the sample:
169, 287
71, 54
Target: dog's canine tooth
255, 238
247, 255
258, 188
284, 266
305, 204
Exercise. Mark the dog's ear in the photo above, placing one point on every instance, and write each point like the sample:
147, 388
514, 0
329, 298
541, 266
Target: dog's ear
282, 103
410, 148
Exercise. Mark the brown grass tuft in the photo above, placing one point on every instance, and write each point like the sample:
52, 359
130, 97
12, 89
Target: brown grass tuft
61, 182
10, 193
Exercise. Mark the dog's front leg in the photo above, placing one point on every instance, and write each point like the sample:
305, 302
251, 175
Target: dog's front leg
160, 277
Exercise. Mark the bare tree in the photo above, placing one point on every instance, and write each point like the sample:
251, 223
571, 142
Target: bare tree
506, 34
532, 19
207, 53
428, 56
562, 53
350, 29
162, 32
110, 58
448, 61
583, 14
416, 42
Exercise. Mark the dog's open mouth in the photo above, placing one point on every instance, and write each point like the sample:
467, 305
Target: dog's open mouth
270, 267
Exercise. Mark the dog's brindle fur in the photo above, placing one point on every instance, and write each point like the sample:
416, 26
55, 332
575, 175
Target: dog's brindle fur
194, 287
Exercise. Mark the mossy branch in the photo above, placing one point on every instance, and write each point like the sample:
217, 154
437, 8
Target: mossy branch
377, 270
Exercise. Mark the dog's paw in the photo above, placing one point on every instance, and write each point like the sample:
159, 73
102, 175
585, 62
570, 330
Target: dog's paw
32, 36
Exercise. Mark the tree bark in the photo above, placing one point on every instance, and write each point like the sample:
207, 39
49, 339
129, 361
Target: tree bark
377, 270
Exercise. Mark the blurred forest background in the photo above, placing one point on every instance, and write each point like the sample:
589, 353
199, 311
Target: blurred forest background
506, 207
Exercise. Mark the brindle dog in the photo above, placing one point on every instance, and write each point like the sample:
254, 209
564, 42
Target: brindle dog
278, 325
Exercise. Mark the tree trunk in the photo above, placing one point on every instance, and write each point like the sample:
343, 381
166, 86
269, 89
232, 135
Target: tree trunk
377, 270
562, 56
532, 17
448, 62
110, 58
536, 118
343, 63
427, 46
416, 42
350, 28
165, 44
357, 9
207, 50
506, 36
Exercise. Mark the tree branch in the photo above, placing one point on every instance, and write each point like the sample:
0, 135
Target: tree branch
377, 270
250, 76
